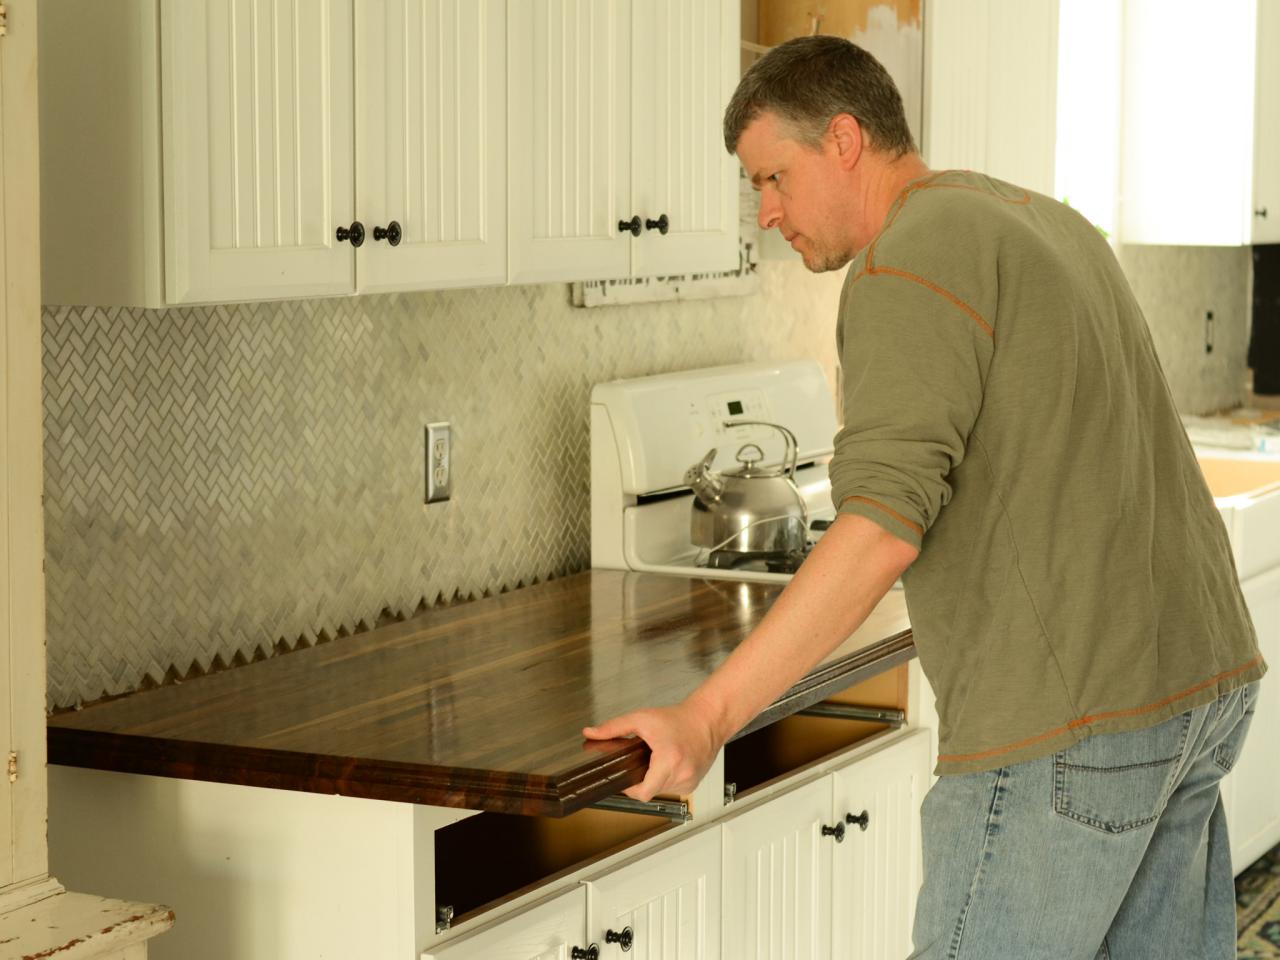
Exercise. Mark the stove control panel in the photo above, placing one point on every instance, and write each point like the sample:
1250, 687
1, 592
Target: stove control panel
657, 427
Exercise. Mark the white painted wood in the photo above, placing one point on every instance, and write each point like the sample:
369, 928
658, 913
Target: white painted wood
547, 931
23, 857
257, 107
991, 78
251, 873
1173, 193
685, 62
77, 926
876, 873
1254, 813
1255, 533
569, 97
777, 868
1266, 147
431, 142
670, 899
102, 228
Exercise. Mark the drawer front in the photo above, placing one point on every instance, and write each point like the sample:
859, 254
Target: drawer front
547, 931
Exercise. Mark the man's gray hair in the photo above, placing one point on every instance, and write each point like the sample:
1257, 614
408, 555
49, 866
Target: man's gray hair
809, 80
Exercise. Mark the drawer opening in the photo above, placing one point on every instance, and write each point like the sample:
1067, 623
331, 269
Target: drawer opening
485, 860
795, 743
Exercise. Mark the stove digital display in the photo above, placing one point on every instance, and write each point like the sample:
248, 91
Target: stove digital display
735, 408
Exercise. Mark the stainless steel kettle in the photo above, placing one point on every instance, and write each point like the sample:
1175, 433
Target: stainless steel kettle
751, 509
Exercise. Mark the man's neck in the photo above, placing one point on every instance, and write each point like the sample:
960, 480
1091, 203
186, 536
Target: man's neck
885, 182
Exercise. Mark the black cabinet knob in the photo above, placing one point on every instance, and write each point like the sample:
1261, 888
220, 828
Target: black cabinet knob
1261, 213
631, 226
662, 224
591, 953
837, 831
390, 233
623, 939
354, 233
863, 819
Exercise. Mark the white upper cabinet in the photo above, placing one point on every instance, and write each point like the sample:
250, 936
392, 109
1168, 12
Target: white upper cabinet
257, 118
222, 150
1201, 141
570, 131
619, 104
431, 143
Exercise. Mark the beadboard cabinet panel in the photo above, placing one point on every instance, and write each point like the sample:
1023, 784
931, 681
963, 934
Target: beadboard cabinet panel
431, 142
685, 68
570, 118
877, 875
257, 111
548, 931
670, 900
777, 868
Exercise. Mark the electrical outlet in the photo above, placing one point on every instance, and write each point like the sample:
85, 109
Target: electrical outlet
439, 462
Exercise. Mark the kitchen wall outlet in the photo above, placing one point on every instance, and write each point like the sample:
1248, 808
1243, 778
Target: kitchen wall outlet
439, 462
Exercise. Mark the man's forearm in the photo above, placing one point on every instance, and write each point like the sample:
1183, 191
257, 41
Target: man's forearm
849, 571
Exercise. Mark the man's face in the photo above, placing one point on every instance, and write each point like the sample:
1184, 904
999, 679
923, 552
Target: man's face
802, 192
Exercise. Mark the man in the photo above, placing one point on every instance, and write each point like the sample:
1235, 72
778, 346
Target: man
1011, 450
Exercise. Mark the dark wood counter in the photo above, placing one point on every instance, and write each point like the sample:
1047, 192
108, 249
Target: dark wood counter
479, 705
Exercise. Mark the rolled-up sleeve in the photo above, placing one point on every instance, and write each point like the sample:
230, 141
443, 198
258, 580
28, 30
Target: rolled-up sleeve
914, 361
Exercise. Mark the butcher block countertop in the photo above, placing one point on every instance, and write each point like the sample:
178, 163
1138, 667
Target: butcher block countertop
479, 705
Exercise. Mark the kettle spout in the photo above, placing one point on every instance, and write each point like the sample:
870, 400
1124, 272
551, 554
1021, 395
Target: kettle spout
706, 483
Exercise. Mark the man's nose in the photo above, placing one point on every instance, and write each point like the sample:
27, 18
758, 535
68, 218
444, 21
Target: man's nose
770, 211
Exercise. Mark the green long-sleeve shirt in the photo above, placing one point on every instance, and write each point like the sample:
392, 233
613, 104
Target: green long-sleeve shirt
1004, 411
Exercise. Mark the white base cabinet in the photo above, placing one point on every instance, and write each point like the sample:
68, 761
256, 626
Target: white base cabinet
260, 874
1251, 792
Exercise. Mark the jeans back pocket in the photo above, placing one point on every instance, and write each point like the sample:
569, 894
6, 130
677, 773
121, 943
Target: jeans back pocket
1116, 782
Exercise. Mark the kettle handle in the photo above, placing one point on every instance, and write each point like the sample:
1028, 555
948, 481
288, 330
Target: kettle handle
792, 454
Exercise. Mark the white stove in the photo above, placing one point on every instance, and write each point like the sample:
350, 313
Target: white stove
647, 432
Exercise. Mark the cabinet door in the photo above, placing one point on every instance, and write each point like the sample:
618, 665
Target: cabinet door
777, 878
1254, 823
686, 62
1266, 127
548, 931
258, 145
670, 900
876, 872
569, 91
431, 145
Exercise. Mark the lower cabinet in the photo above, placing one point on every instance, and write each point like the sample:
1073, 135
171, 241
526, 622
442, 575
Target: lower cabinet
824, 869
777, 877
1251, 793
664, 906
874, 882
830, 869
551, 930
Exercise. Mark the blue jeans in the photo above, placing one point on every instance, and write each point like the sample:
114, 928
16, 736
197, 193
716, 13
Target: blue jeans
1113, 849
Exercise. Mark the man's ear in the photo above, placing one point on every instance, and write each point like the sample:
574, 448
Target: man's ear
846, 134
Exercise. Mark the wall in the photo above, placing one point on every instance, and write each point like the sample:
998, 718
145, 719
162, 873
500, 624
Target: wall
1176, 286
223, 481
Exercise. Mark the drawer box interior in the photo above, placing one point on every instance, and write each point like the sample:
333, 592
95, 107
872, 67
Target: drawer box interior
795, 743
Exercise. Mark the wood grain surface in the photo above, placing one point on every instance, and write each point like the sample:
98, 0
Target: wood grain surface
480, 705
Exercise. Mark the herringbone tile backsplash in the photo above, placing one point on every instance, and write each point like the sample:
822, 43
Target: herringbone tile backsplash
222, 482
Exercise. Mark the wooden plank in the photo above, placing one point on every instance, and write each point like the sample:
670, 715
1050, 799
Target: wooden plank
480, 705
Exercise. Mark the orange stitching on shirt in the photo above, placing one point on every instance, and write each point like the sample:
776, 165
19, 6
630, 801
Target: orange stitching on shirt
893, 513
928, 184
1094, 718
940, 291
